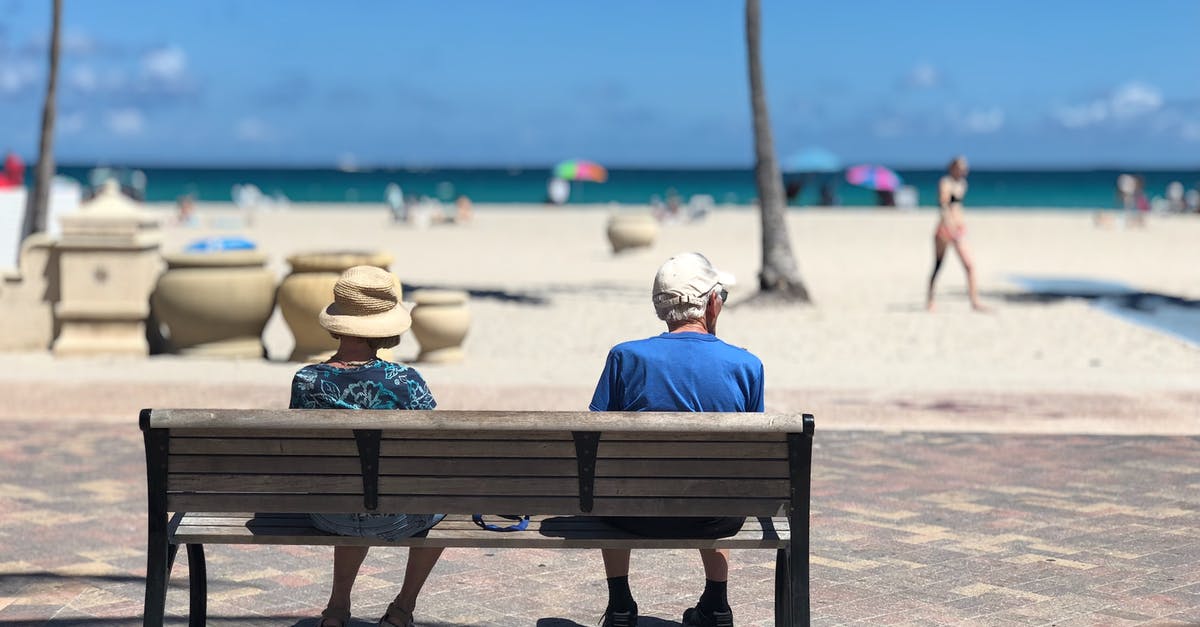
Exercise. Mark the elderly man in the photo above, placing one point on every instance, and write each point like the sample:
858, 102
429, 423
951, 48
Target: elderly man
685, 369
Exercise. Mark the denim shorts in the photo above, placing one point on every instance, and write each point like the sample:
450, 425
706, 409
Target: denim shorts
383, 526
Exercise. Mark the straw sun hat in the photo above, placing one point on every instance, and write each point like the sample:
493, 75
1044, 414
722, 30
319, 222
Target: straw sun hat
365, 304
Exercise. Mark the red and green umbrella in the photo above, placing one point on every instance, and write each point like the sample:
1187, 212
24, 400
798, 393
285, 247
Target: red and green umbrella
580, 170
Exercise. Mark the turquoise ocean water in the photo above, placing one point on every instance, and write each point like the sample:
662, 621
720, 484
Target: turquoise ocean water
1076, 189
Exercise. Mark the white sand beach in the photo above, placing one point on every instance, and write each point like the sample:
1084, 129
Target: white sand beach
550, 299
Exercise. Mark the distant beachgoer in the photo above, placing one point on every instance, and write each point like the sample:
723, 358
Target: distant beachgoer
951, 229
1175, 202
464, 212
1135, 212
885, 197
792, 191
557, 191
367, 316
14, 171
829, 193
1191, 200
395, 201
187, 209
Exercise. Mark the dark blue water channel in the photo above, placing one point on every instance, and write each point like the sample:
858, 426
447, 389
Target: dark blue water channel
1173, 315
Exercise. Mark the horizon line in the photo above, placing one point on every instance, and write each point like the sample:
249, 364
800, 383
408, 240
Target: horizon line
369, 167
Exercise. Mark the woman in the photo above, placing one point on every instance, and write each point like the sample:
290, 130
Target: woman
366, 316
951, 229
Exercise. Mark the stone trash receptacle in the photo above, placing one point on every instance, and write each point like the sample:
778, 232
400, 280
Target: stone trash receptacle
631, 230
309, 289
439, 322
215, 304
108, 263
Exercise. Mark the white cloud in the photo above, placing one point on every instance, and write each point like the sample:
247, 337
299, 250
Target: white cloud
77, 43
1081, 116
1134, 99
125, 122
17, 76
70, 123
923, 76
252, 130
167, 64
83, 78
980, 120
1125, 102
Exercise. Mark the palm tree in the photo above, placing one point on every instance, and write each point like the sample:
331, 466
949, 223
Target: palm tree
39, 197
780, 276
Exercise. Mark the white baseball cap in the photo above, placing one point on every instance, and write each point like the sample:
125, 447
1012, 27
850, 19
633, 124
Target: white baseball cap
686, 278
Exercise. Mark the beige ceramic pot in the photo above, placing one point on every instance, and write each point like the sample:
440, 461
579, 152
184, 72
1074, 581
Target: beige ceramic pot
309, 289
631, 230
440, 322
215, 304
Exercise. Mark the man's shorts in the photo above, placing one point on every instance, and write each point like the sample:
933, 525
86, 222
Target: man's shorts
677, 526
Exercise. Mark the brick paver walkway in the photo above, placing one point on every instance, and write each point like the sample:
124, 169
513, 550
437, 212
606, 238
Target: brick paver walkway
908, 528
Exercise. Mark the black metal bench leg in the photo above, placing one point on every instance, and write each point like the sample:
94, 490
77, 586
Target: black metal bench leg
197, 585
158, 559
798, 579
783, 602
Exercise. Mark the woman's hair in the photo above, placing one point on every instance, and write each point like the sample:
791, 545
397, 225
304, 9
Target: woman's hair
376, 343
957, 160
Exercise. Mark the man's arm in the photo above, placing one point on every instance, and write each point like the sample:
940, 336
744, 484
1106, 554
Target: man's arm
607, 396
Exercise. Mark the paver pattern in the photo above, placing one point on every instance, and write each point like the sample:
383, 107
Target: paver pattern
908, 528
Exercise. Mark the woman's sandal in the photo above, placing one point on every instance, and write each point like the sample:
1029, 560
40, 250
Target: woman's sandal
339, 614
394, 613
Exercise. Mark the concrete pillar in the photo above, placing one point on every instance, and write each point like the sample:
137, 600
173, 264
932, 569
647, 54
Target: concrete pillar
108, 264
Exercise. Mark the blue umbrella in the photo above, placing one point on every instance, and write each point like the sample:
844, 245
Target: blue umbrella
812, 159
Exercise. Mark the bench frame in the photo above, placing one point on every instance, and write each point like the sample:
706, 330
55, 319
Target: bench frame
792, 563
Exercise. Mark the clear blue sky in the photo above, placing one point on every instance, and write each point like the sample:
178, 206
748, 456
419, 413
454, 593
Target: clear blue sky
1065, 83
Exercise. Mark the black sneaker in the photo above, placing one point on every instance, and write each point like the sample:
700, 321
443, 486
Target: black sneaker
626, 618
696, 617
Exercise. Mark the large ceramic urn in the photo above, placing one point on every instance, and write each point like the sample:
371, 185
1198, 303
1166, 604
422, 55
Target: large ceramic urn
309, 289
215, 304
439, 322
631, 230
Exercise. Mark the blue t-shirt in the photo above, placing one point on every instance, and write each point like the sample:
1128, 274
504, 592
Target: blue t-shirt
378, 384
684, 371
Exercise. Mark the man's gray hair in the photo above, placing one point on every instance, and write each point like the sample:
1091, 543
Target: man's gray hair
684, 312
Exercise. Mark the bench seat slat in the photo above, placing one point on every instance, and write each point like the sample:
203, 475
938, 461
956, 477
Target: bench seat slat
603, 506
477, 466
543, 532
454, 521
477, 448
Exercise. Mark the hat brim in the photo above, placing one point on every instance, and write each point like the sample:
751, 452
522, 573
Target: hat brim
386, 324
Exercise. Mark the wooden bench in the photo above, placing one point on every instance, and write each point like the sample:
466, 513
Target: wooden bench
211, 467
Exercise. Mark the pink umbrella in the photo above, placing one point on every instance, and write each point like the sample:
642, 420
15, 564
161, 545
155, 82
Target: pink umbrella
874, 177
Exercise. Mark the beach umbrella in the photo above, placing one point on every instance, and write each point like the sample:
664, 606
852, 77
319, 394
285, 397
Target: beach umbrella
580, 170
874, 177
812, 159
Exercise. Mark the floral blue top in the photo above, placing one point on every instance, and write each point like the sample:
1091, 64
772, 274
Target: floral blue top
377, 384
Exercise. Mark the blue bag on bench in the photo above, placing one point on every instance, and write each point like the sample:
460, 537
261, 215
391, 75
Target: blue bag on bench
522, 522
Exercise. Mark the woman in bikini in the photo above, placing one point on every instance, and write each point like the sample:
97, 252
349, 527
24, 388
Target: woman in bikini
951, 229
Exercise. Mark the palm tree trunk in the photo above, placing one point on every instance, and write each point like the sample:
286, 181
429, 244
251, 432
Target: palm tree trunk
780, 276
37, 205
